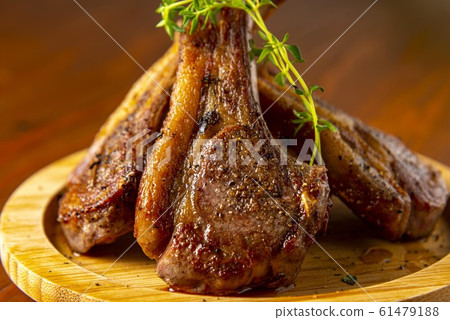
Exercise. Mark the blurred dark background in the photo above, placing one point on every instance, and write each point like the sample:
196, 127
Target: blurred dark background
61, 75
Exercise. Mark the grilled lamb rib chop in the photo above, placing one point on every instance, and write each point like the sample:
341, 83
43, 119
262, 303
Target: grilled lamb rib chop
84, 204
375, 174
98, 205
231, 225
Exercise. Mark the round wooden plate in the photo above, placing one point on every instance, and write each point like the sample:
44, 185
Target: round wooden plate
36, 257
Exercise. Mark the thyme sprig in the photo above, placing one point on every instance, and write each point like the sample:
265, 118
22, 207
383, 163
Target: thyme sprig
279, 53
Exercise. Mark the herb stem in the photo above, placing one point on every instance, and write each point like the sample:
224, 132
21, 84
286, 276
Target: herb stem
282, 57
274, 50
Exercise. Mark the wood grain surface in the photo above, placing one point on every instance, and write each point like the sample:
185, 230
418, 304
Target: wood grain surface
60, 75
36, 256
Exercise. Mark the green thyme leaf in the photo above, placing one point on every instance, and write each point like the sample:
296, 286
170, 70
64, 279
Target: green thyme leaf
326, 125
315, 87
264, 54
202, 12
262, 35
295, 51
351, 280
280, 78
298, 91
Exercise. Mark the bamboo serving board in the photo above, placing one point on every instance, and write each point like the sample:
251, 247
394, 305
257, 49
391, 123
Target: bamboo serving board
38, 260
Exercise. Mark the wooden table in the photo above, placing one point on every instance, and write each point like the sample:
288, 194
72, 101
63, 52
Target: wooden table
60, 75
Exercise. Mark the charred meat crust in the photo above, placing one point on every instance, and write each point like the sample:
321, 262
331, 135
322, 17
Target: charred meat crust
154, 221
98, 206
375, 174
225, 227
245, 225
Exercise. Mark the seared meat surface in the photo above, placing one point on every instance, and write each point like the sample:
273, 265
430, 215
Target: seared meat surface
375, 174
216, 223
99, 203
220, 206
